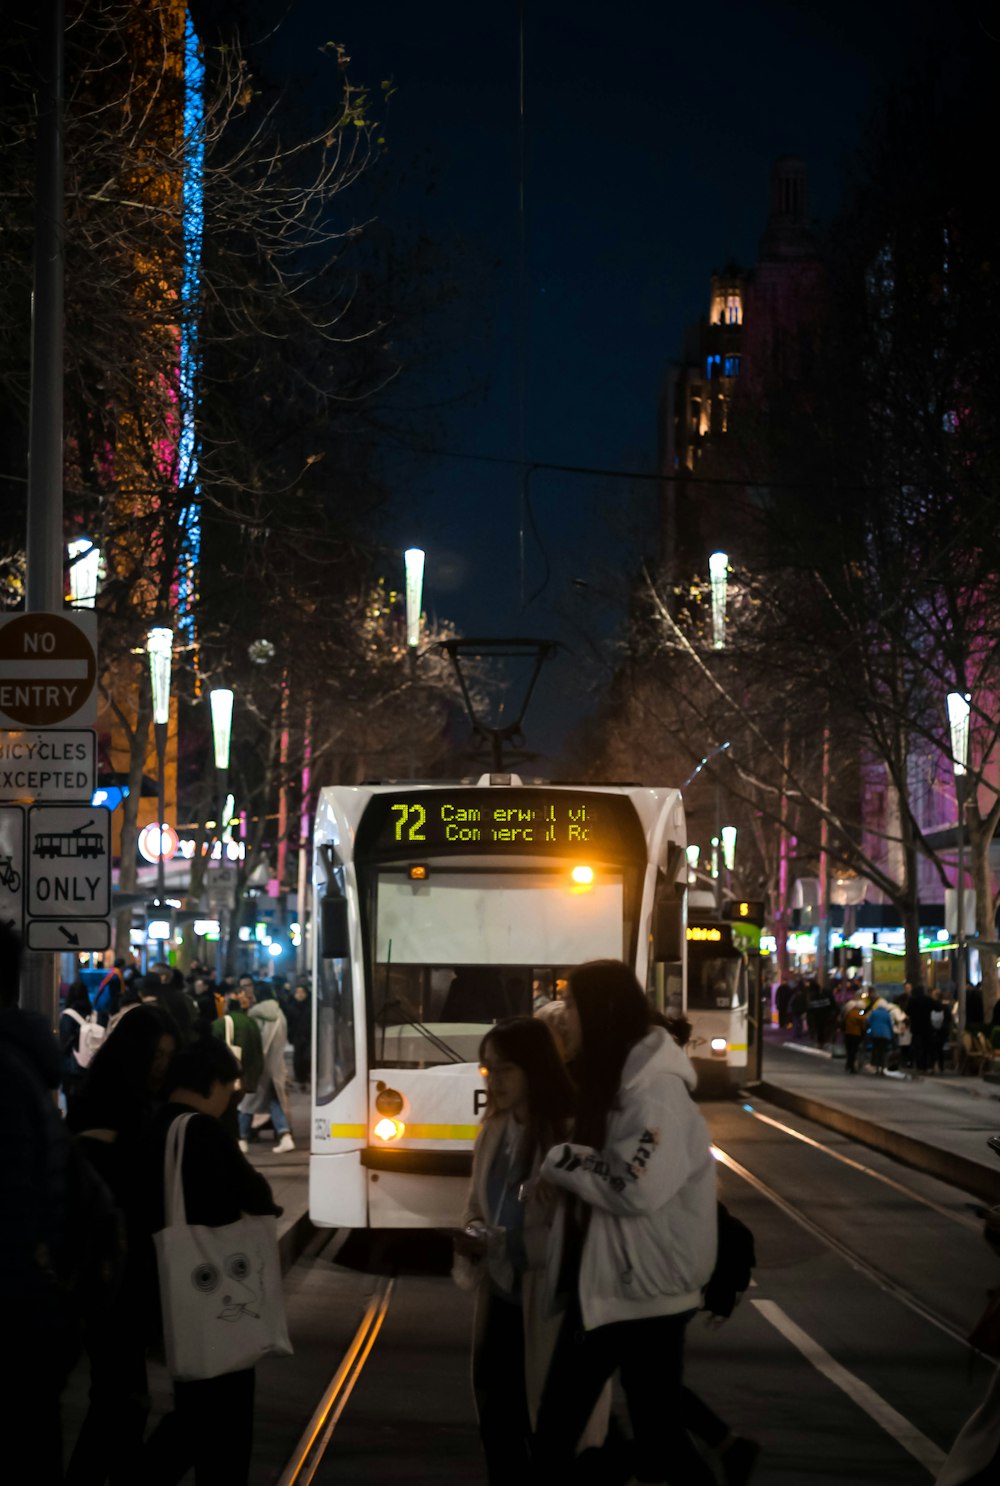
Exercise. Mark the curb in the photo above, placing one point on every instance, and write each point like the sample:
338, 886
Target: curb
970, 1176
295, 1240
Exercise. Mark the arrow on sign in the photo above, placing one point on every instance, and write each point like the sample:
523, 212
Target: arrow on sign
70, 938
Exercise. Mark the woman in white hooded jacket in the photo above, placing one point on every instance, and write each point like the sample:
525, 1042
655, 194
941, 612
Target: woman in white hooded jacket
635, 1241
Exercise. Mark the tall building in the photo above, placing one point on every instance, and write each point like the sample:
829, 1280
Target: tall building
761, 326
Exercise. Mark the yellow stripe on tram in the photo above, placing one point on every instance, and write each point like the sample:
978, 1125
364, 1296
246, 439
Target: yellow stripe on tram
412, 1132
441, 1132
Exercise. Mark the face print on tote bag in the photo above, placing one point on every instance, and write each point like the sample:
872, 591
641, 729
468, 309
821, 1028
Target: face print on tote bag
230, 1288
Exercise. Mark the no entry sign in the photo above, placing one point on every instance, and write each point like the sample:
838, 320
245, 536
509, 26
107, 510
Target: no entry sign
48, 669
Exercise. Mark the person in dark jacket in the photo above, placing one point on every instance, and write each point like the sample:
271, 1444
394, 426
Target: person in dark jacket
940, 1029
298, 1015
166, 987
111, 1115
39, 1321
247, 1045
919, 1013
211, 1426
76, 1009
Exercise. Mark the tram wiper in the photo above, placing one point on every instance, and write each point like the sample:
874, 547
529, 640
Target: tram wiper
413, 1020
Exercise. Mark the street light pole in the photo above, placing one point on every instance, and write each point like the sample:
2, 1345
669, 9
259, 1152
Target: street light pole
159, 647
220, 699
958, 722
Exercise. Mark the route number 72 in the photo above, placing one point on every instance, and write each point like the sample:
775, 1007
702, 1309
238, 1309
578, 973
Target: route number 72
410, 822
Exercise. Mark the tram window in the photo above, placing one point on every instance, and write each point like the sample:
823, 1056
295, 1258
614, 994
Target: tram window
716, 984
424, 1015
336, 1050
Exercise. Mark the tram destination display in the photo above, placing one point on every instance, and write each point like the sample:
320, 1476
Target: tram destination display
558, 822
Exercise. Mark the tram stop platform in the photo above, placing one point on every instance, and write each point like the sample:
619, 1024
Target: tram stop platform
937, 1123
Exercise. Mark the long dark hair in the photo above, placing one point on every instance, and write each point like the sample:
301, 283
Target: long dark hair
116, 1089
614, 1015
528, 1043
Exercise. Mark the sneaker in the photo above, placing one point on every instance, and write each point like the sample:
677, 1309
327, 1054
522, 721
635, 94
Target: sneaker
244, 1146
739, 1460
286, 1143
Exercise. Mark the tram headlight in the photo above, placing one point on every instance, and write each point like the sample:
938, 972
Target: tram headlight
583, 876
389, 1102
719, 1046
387, 1129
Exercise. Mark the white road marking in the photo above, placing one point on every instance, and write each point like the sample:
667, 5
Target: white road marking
901, 1430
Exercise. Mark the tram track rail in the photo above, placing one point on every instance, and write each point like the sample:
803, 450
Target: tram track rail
859, 1262
312, 1446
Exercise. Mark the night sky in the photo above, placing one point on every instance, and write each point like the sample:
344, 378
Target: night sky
650, 132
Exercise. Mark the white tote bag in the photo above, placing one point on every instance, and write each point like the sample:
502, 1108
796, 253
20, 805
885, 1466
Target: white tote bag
220, 1288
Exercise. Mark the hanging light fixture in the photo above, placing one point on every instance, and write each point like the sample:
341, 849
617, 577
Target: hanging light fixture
718, 569
413, 560
221, 702
84, 572
160, 649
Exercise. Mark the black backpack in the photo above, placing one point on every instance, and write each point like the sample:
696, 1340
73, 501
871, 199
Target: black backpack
733, 1265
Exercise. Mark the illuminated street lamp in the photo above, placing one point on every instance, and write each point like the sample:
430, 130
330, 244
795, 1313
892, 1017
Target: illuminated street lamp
220, 699
958, 723
84, 571
729, 847
413, 559
160, 649
718, 569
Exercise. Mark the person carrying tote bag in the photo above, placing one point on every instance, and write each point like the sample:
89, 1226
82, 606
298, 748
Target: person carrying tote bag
217, 1281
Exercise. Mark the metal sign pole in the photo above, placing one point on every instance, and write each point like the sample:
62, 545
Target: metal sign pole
44, 593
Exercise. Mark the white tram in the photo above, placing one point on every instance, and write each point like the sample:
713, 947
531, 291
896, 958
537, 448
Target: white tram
438, 907
723, 993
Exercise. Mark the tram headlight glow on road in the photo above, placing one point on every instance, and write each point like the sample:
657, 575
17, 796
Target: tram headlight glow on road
583, 876
389, 1129
718, 1045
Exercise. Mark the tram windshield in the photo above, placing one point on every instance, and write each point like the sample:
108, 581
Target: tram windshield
461, 950
716, 983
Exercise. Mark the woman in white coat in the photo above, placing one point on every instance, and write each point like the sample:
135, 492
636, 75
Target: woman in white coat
635, 1240
501, 1251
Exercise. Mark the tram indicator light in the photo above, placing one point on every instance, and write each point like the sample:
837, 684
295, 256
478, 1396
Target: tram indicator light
749, 911
419, 872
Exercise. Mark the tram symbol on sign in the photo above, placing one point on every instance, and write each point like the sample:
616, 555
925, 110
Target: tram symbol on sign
79, 843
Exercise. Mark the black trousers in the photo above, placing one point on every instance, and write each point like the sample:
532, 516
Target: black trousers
498, 1380
852, 1041
649, 1356
211, 1429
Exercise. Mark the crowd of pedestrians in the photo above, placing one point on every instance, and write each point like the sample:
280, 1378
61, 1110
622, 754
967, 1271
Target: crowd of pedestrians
592, 1233
85, 1116
912, 1029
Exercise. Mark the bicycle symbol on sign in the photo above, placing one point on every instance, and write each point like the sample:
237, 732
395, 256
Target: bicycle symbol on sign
9, 877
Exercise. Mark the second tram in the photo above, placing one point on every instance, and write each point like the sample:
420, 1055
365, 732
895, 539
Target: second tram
439, 910
723, 994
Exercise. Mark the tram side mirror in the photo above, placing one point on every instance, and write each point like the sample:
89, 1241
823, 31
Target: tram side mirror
335, 939
668, 927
